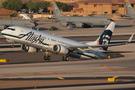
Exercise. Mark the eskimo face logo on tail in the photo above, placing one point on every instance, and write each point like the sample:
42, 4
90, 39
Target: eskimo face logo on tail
105, 38
33, 38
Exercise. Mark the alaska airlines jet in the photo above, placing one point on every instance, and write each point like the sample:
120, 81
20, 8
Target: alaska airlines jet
78, 21
33, 40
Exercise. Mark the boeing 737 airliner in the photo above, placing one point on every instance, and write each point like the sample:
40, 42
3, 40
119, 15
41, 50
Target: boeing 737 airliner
33, 40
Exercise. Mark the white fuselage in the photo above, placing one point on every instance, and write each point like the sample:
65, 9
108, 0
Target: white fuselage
45, 41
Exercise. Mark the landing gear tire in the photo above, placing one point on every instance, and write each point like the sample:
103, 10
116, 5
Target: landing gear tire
65, 58
12, 46
47, 58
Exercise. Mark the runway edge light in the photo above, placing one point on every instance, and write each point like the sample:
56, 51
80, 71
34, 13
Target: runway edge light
4, 60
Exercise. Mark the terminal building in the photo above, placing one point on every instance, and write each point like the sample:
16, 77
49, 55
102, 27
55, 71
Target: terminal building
111, 8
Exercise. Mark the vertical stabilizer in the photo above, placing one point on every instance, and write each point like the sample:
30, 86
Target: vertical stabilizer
130, 9
105, 37
24, 16
56, 9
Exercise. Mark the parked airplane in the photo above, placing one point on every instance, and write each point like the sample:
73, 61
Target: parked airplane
79, 21
33, 40
4, 23
130, 11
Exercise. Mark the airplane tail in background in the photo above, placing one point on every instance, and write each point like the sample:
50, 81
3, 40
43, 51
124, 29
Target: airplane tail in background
105, 37
130, 9
24, 16
56, 9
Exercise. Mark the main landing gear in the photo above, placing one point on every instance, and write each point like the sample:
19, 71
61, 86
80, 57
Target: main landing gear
47, 57
10, 41
65, 58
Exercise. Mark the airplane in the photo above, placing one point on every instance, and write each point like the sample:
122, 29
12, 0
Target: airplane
78, 21
33, 41
130, 11
4, 23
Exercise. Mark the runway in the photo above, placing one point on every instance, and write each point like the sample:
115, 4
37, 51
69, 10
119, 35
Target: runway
26, 71
75, 75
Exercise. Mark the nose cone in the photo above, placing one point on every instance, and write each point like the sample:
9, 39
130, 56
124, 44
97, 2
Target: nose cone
3, 31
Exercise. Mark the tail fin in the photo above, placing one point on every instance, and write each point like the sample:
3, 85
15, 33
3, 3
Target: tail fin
24, 16
106, 35
56, 9
130, 9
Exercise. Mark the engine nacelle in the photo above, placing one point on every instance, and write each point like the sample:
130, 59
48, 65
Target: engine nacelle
29, 49
60, 49
64, 24
79, 25
3, 27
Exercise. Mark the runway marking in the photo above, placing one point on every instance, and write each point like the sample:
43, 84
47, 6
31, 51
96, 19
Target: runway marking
123, 55
105, 65
35, 74
115, 77
60, 78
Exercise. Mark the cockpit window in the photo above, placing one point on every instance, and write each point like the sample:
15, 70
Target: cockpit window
11, 29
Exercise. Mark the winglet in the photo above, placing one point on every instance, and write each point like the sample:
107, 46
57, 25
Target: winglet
131, 37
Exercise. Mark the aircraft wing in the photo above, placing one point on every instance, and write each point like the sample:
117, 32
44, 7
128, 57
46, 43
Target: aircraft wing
95, 46
103, 45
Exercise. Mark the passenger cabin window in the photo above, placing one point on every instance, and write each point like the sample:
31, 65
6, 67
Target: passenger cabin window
11, 29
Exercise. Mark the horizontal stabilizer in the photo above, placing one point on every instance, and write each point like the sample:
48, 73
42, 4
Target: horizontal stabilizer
130, 39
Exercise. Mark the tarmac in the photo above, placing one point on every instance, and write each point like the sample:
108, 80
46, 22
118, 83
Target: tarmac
75, 74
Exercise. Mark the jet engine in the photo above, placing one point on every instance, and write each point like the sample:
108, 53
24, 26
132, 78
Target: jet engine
29, 49
79, 25
60, 49
3, 27
64, 24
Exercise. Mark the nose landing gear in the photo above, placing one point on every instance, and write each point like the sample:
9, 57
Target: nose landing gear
47, 57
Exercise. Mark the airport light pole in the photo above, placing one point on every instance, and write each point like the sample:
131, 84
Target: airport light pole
102, 6
86, 8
